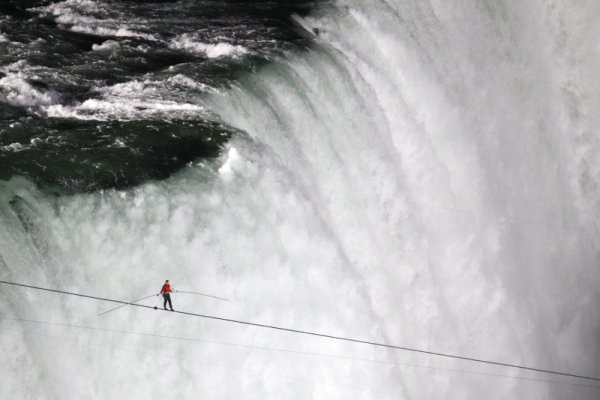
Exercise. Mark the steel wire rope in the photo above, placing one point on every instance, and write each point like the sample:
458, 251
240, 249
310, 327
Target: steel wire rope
306, 353
256, 374
316, 334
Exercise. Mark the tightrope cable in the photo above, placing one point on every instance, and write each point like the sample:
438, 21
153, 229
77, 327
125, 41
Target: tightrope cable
323, 335
298, 352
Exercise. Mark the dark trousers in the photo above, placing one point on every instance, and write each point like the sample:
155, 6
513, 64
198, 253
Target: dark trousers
167, 298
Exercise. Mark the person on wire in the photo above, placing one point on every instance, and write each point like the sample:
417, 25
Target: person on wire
166, 292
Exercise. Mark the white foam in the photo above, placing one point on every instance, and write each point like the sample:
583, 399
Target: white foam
119, 143
67, 6
124, 109
13, 147
128, 89
17, 67
71, 12
104, 31
75, 16
108, 45
227, 170
15, 90
211, 50
182, 80
3, 38
123, 101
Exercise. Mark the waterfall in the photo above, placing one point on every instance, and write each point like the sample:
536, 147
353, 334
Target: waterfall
426, 175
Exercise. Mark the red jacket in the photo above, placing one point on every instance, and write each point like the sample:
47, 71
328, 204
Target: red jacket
166, 289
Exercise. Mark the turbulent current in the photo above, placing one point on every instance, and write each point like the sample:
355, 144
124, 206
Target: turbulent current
424, 174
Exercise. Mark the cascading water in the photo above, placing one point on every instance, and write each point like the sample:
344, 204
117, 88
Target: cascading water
424, 176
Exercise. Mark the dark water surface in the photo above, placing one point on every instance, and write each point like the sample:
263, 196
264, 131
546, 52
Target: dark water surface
101, 94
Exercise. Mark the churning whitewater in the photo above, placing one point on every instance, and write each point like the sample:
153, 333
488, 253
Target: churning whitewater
421, 173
